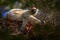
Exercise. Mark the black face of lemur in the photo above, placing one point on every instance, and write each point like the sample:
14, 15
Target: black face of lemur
33, 11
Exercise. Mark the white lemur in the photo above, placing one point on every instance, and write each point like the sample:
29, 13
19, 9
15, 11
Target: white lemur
24, 15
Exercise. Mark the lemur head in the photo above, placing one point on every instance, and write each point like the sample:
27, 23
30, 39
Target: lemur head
33, 10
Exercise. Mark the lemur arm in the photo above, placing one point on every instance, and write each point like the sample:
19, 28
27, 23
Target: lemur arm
23, 25
34, 20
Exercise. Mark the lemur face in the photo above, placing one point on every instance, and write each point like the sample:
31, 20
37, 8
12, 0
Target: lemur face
33, 10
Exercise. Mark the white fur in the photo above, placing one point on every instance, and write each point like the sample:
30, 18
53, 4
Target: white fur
20, 14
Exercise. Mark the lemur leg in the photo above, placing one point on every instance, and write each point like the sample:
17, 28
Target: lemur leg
23, 25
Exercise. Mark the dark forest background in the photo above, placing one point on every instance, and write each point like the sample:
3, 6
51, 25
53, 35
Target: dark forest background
48, 31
